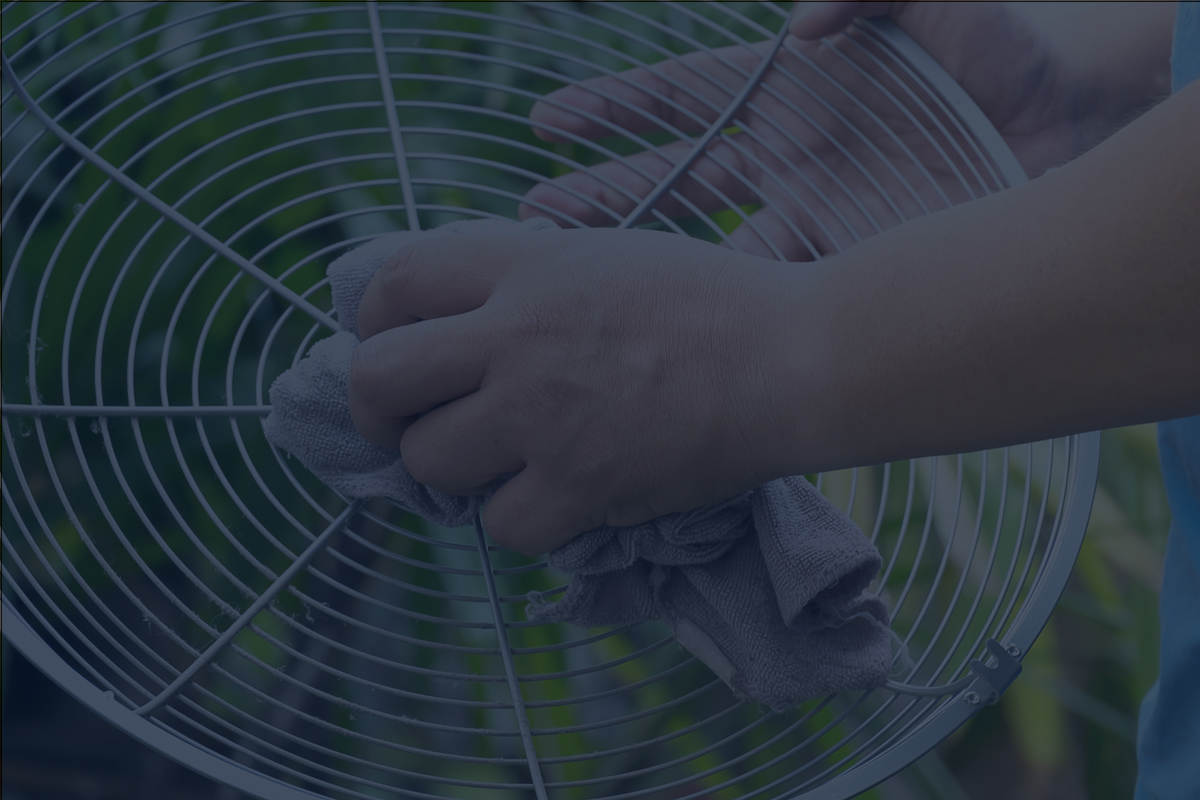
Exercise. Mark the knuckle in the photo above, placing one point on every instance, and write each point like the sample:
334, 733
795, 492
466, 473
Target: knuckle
396, 272
391, 282
567, 195
531, 323
418, 457
395, 277
401, 269
367, 378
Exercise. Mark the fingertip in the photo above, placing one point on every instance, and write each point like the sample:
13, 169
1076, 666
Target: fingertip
551, 122
812, 21
748, 241
551, 195
544, 133
526, 212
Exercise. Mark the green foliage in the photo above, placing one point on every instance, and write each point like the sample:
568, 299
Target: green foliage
1037, 719
1071, 716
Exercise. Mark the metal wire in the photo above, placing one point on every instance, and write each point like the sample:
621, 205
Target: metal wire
175, 179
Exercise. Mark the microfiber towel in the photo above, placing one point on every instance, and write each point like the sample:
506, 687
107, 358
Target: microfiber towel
769, 589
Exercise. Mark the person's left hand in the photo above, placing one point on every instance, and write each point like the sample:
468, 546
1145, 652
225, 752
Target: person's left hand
616, 375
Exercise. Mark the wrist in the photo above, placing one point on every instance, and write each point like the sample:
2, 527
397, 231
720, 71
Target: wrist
799, 405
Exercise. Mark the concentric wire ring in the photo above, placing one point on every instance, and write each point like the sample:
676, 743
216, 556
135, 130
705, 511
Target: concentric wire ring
175, 180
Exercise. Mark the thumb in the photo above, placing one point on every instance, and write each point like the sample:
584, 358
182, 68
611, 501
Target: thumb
811, 21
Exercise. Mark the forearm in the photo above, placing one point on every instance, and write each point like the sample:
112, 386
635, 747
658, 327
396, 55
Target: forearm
1065, 305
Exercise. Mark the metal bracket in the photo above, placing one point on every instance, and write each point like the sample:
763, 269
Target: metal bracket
1001, 676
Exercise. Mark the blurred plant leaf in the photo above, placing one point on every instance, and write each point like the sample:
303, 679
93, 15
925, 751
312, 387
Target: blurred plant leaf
1122, 546
1037, 719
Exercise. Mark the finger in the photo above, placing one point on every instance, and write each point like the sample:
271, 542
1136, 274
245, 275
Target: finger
528, 515
687, 93
406, 371
607, 193
828, 222
769, 234
447, 273
811, 21
807, 220
460, 447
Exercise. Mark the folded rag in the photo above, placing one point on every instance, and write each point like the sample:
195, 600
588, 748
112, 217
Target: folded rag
767, 589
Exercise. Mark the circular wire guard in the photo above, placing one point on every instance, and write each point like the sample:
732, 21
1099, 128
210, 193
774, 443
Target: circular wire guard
176, 177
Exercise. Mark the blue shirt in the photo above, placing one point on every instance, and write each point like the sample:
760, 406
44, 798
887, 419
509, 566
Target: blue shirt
1169, 722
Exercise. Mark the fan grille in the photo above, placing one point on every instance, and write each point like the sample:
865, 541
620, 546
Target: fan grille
164, 242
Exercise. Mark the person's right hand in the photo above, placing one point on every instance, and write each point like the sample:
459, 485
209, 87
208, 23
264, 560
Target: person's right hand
798, 150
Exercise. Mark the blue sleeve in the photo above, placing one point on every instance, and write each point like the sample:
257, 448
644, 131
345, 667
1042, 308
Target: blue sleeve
1185, 50
1169, 723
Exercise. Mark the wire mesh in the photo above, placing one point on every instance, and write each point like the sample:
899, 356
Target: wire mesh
175, 179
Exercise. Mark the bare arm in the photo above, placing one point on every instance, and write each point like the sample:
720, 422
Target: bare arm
1066, 305
619, 375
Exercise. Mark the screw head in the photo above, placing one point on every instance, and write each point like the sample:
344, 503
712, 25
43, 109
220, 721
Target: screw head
1013, 651
972, 698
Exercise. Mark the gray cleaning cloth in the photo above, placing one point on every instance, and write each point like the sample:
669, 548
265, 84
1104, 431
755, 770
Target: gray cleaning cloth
768, 589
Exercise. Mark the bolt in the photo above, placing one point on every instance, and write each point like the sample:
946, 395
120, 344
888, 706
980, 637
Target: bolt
1013, 651
972, 698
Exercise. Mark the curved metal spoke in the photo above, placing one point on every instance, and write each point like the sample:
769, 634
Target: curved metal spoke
43, 410
158, 205
255, 608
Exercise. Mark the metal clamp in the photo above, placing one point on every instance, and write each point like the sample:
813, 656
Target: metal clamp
1001, 676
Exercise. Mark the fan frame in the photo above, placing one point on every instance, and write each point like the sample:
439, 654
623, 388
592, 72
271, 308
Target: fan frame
969, 694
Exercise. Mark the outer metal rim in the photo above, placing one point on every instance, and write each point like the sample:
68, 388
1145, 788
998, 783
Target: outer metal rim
188, 754
1077, 507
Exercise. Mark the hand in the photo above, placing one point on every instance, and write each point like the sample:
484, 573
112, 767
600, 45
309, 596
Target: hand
1043, 91
616, 375
1054, 79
